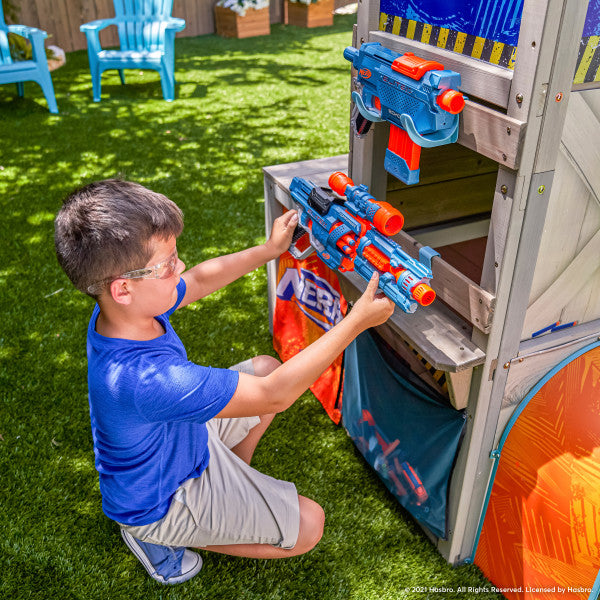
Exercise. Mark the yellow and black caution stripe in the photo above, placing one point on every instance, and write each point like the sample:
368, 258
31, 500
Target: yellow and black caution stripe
474, 46
438, 376
588, 60
497, 53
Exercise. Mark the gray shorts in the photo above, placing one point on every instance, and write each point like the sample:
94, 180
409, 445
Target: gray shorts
230, 503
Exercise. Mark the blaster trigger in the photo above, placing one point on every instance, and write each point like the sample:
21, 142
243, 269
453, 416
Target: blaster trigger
300, 248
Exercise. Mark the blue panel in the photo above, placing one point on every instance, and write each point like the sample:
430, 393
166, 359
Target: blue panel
405, 430
592, 20
497, 20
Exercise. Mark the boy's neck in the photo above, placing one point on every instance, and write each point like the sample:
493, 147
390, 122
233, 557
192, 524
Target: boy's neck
119, 324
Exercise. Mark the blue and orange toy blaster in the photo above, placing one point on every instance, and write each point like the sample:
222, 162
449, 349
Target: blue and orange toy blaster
391, 463
418, 97
353, 235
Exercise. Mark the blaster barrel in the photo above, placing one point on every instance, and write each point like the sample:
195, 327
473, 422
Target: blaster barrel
387, 219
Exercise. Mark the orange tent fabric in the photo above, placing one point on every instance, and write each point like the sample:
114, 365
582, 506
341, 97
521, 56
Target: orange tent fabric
541, 533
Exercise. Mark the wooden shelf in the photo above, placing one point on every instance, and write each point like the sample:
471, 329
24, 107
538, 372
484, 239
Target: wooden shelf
438, 333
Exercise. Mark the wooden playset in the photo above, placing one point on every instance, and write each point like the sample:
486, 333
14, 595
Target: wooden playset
513, 338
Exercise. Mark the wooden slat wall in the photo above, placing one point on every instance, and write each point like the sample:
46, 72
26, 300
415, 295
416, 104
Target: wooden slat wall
62, 18
566, 283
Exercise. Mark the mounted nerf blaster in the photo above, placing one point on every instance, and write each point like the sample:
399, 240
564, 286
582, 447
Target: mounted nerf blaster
417, 97
353, 235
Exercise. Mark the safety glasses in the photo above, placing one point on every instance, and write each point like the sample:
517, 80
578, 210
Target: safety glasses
161, 270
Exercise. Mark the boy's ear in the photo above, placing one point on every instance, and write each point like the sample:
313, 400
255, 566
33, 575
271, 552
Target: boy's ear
120, 292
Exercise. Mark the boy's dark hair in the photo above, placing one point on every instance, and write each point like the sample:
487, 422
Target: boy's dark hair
105, 229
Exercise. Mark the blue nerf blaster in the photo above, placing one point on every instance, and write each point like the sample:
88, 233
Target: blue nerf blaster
418, 97
353, 235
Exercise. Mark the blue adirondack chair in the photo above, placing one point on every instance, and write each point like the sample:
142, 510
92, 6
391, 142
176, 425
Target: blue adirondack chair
26, 70
146, 35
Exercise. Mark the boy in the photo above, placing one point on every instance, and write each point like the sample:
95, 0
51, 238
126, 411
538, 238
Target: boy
173, 440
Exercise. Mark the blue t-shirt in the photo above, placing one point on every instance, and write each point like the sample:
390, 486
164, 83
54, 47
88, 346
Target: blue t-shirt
149, 406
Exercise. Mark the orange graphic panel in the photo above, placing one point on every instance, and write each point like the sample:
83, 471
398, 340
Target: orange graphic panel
309, 303
541, 534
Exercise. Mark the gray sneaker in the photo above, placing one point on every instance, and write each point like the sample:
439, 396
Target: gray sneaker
165, 564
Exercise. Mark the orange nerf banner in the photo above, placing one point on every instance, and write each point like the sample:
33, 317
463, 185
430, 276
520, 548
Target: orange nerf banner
309, 303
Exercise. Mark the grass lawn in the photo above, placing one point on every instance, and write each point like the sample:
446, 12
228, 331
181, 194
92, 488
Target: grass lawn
242, 105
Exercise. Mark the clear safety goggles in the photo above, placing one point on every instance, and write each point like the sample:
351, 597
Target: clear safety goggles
161, 270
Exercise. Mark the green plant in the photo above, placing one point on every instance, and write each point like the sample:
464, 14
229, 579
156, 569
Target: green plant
241, 6
20, 48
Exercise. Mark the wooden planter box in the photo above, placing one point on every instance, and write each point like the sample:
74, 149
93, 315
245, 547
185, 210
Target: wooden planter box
255, 22
317, 14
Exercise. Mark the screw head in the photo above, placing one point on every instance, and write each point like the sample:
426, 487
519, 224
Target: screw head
519, 98
541, 189
504, 189
558, 97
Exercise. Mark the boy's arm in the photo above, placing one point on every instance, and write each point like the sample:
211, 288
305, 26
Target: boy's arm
215, 273
281, 388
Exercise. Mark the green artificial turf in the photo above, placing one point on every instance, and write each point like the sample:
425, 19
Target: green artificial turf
242, 105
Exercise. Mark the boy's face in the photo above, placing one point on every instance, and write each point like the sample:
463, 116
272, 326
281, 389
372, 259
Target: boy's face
154, 296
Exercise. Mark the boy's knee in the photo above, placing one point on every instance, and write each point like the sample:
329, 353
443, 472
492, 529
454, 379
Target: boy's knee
264, 364
312, 522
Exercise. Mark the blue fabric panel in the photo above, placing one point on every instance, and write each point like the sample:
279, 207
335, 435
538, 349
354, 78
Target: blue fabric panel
406, 431
497, 20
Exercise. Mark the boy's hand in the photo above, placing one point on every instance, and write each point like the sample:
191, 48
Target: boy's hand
372, 309
282, 232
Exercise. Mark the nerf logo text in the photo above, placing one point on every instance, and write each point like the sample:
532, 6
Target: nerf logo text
365, 73
313, 295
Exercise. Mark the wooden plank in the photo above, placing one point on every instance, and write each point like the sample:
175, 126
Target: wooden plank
444, 201
442, 163
435, 331
558, 99
465, 256
367, 153
499, 224
273, 209
478, 79
47, 22
492, 134
253, 23
469, 300
459, 387
581, 270
450, 233
580, 139
66, 22
416, 365
316, 170
566, 211
315, 14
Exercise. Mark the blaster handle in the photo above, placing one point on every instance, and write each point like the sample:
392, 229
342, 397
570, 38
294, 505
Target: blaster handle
402, 156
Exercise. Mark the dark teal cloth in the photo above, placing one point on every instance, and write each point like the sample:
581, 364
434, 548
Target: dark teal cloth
407, 431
